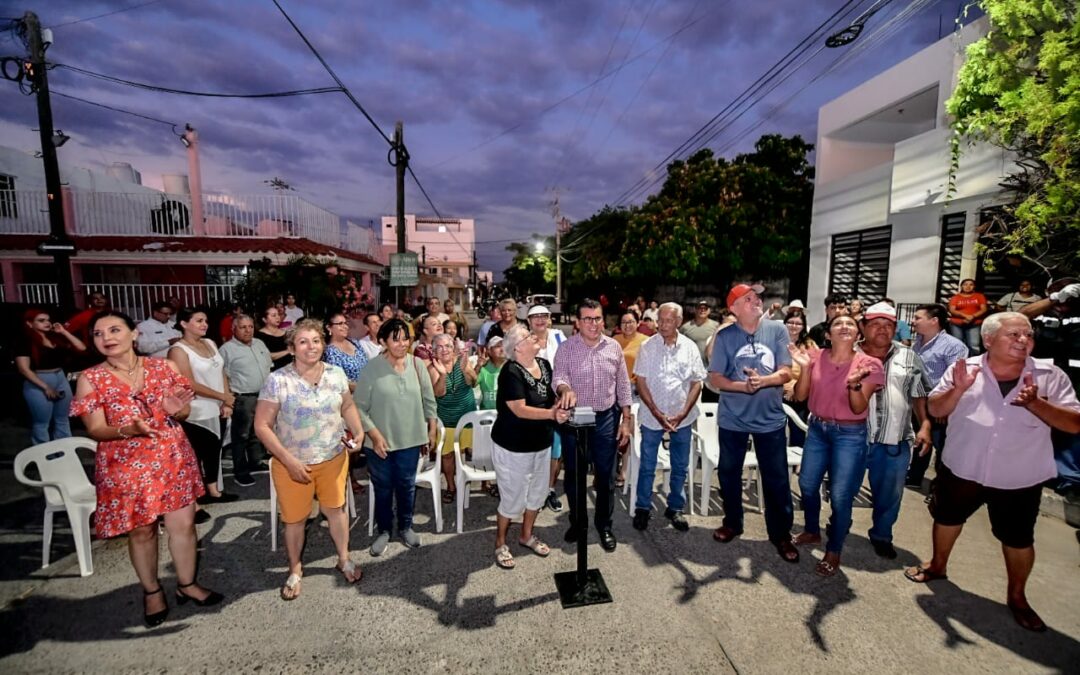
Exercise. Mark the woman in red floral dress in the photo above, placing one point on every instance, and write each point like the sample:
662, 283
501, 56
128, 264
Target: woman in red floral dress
145, 467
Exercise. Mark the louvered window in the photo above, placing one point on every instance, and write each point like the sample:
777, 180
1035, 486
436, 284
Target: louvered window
860, 263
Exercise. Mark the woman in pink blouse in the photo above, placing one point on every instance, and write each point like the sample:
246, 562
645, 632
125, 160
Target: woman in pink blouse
838, 382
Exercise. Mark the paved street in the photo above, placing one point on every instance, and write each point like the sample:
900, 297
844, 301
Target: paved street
682, 603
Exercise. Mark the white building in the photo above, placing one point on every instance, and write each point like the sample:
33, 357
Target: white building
881, 225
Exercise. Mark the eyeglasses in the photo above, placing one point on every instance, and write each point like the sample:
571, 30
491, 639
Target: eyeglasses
339, 323
795, 323
628, 323
591, 319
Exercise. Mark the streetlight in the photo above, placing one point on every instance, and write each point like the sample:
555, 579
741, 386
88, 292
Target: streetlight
539, 246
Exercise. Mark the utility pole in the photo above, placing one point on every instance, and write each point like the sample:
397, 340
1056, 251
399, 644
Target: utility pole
58, 245
401, 163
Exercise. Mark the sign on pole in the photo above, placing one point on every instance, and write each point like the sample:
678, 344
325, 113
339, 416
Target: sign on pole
403, 269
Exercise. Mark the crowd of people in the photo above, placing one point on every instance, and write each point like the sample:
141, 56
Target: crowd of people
878, 396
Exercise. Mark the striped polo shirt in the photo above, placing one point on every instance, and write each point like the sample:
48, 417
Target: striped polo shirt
890, 409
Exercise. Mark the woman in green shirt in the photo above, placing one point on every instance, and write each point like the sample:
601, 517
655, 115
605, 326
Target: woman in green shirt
453, 379
397, 407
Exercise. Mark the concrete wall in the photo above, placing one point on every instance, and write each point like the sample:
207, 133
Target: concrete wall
901, 183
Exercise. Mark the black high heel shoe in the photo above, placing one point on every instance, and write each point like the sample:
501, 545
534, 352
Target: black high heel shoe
212, 598
157, 618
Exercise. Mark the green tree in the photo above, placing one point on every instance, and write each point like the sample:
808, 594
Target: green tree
315, 282
1019, 89
715, 218
531, 271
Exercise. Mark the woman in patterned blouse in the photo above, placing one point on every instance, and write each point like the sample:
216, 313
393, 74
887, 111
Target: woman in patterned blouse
301, 419
343, 351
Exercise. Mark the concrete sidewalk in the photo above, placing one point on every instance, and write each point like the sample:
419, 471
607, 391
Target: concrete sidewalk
683, 603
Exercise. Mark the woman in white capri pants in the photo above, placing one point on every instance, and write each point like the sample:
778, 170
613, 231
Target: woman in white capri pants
522, 436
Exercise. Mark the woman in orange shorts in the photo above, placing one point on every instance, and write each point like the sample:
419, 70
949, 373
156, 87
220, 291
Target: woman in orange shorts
301, 420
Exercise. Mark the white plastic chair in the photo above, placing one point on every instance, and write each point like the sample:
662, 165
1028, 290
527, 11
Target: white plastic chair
705, 448
350, 502
66, 488
480, 468
663, 463
428, 477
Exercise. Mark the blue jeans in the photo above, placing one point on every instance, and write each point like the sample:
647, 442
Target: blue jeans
969, 335
887, 467
771, 450
679, 447
602, 453
45, 413
1067, 457
394, 479
841, 450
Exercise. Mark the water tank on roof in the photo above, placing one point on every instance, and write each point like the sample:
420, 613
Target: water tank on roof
122, 171
176, 184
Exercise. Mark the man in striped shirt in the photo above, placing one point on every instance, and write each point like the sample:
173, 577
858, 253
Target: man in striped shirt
590, 370
890, 433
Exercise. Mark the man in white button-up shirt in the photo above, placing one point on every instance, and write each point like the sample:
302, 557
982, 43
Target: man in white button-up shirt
157, 334
669, 377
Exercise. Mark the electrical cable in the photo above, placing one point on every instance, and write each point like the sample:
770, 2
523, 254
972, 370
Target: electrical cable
330, 70
762, 81
108, 107
187, 92
101, 16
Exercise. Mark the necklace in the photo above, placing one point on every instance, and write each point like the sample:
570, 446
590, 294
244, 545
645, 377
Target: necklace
129, 371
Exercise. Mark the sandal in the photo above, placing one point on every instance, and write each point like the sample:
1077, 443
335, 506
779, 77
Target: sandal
921, 574
449, 497
806, 539
536, 546
1027, 618
493, 490
826, 569
787, 551
350, 571
291, 589
503, 557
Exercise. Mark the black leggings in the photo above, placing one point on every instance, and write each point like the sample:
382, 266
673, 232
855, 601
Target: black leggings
207, 449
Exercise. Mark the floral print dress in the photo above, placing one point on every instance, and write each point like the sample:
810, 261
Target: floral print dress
142, 477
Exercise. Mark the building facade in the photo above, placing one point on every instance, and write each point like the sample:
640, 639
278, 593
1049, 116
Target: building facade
882, 223
446, 249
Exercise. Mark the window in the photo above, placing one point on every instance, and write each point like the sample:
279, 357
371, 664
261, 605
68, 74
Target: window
860, 263
8, 207
229, 275
952, 251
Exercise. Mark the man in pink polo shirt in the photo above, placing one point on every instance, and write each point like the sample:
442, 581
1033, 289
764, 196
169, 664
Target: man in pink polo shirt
1001, 407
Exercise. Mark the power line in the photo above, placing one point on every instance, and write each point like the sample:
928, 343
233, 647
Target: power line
101, 16
337, 79
187, 92
545, 110
109, 107
746, 94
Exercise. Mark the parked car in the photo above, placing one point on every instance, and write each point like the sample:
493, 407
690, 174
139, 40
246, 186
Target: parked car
546, 299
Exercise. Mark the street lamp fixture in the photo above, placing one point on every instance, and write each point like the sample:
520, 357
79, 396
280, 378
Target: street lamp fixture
539, 246
59, 138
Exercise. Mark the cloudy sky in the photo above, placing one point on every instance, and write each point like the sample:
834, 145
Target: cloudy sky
502, 100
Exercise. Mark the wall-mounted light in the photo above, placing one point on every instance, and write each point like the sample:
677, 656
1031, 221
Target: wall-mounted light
59, 138
185, 141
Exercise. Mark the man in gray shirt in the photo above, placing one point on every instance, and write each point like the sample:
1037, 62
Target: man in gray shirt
248, 364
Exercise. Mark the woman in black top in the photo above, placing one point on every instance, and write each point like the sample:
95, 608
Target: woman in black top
522, 436
273, 337
40, 357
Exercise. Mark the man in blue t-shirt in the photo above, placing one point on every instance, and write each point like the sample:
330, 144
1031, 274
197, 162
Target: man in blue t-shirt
749, 365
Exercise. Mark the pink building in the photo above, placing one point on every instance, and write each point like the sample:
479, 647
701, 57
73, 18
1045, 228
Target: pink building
446, 249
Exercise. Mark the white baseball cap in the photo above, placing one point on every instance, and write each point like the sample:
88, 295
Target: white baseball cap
539, 309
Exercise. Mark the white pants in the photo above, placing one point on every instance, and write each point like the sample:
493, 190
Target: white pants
522, 478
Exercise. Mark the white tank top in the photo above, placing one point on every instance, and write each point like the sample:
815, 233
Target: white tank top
210, 373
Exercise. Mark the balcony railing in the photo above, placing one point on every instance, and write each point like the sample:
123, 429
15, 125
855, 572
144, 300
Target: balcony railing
135, 300
152, 213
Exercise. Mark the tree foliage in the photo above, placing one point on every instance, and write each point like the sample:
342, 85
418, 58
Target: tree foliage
531, 271
712, 219
1019, 89
318, 286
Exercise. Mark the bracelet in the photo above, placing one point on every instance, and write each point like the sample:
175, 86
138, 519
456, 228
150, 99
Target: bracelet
120, 430
855, 387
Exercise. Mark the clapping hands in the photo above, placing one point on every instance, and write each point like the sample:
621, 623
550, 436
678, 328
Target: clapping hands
1028, 394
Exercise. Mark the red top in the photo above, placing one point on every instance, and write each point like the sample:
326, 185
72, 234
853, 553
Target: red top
966, 304
828, 386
